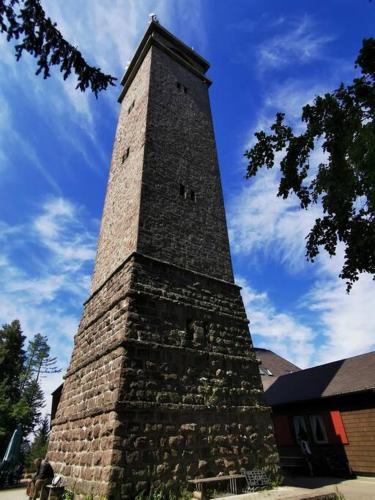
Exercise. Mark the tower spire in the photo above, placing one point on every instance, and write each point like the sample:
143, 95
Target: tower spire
153, 18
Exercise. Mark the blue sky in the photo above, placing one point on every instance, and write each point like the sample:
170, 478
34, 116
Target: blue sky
55, 148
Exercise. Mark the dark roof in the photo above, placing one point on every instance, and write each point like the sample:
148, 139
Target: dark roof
178, 47
273, 362
272, 366
58, 389
340, 377
158, 28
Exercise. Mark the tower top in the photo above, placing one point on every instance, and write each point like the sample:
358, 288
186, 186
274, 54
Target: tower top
157, 35
153, 17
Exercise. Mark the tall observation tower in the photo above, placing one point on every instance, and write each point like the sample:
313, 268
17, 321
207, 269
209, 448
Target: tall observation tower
163, 383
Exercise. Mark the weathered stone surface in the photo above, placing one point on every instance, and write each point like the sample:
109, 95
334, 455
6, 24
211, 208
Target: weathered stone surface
195, 417
163, 384
171, 142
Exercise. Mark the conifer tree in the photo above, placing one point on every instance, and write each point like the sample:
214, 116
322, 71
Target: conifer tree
12, 358
26, 22
21, 397
38, 359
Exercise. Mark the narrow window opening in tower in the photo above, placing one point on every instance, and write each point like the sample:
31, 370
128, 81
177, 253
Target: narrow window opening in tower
178, 85
125, 155
182, 191
189, 332
131, 107
206, 328
185, 90
192, 195
205, 332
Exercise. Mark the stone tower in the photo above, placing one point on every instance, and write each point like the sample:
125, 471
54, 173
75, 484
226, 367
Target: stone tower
163, 383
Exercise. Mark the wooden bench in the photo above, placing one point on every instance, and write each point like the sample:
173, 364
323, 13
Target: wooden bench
202, 484
256, 479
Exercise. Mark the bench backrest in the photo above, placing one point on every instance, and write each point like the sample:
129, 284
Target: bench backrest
256, 478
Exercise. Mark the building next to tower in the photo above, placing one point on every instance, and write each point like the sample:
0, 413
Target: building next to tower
163, 384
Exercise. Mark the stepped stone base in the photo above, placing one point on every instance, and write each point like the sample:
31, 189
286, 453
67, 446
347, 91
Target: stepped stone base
163, 385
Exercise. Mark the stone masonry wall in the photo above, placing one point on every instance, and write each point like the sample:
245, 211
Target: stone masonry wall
170, 390
83, 431
119, 227
180, 150
171, 143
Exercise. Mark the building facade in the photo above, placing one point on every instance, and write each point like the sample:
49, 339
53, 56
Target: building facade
163, 384
332, 405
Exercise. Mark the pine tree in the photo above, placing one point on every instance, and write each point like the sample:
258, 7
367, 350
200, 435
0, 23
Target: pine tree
12, 358
12, 355
21, 398
26, 22
38, 359
27, 410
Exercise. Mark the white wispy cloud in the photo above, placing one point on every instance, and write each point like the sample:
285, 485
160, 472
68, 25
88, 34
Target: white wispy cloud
5, 115
346, 320
112, 30
259, 221
11, 138
189, 21
298, 44
278, 331
45, 266
289, 97
261, 225
264, 226
59, 248
60, 230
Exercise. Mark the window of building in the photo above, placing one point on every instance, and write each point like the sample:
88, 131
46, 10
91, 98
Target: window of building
125, 155
206, 331
265, 371
131, 107
182, 191
182, 87
300, 427
318, 429
189, 331
192, 195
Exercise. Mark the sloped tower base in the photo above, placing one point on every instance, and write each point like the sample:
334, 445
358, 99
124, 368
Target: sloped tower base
163, 385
